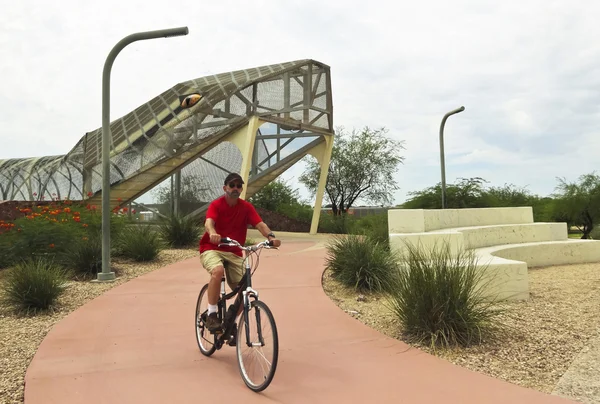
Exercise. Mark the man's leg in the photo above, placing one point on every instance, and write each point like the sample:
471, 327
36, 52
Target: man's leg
214, 285
212, 262
235, 272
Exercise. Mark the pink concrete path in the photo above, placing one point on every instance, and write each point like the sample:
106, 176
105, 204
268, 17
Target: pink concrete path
136, 344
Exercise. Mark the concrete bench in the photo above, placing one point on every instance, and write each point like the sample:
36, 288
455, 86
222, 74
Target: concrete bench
487, 236
506, 240
508, 264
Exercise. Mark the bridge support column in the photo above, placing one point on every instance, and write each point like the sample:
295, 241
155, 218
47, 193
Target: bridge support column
322, 153
244, 140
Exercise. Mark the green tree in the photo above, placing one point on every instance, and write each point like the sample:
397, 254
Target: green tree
512, 195
509, 195
362, 166
275, 194
472, 193
278, 196
543, 208
578, 203
467, 193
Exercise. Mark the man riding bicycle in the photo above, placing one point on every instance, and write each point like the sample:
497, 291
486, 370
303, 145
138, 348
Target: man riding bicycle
227, 216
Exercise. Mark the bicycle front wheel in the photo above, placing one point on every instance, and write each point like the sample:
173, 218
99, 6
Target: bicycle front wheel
205, 340
257, 346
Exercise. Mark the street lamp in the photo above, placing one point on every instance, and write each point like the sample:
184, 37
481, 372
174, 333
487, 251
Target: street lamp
456, 111
106, 274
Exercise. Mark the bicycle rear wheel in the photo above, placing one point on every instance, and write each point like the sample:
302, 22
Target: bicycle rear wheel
205, 340
257, 346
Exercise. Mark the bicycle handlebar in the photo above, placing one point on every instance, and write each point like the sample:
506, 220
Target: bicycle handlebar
230, 242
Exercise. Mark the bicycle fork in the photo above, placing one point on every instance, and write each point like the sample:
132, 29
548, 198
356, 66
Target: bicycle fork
247, 294
229, 322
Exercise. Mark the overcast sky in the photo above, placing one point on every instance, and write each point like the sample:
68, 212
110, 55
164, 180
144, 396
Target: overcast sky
527, 73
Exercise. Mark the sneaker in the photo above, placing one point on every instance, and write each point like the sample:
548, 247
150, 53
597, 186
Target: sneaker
233, 336
212, 323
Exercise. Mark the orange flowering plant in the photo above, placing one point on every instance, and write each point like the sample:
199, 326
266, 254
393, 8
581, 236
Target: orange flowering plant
52, 229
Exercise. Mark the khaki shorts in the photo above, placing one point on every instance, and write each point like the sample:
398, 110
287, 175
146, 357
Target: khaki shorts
232, 263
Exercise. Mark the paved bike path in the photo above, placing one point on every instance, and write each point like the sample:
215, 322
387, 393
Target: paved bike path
136, 344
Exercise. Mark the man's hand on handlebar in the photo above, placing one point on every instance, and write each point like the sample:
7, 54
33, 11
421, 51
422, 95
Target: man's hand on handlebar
215, 238
274, 242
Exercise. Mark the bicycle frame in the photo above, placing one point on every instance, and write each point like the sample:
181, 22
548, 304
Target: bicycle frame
244, 292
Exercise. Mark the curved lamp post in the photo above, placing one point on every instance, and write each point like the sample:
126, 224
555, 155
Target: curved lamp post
443, 163
106, 274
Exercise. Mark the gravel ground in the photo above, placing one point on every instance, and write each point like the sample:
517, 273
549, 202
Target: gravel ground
582, 380
548, 334
20, 336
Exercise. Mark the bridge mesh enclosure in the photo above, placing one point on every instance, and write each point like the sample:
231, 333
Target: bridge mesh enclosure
159, 137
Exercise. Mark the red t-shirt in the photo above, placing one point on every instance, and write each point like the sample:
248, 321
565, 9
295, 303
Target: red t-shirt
230, 221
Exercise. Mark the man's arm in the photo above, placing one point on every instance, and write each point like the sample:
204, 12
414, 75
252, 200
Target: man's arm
209, 225
265, 231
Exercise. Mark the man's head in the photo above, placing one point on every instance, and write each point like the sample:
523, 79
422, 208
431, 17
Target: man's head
233, 185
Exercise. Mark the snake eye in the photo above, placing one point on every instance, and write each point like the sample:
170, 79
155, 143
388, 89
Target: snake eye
190, 100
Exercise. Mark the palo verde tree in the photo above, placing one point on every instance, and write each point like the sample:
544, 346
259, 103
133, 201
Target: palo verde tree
274, 195
473, 193
362, 166
466, 193
278, 196
579, 202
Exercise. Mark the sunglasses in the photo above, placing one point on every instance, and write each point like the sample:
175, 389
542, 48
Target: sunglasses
235, 185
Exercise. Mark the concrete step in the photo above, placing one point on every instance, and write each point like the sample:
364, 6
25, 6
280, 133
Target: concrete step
486, 236
425, 220
570, 251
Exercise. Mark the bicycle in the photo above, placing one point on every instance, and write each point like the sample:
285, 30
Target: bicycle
240, 335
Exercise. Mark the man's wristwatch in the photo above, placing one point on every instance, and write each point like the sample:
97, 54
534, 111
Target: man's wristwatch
271, 235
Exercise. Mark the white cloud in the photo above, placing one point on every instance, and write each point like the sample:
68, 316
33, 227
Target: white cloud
526, 72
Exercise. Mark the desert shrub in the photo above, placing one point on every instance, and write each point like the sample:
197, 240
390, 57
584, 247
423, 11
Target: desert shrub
178, 231
332, 224
52, 230
44, 237
440, 299
140, 243
93, 221
373, 226
33, 285
360, 263
7, 240
84, 257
